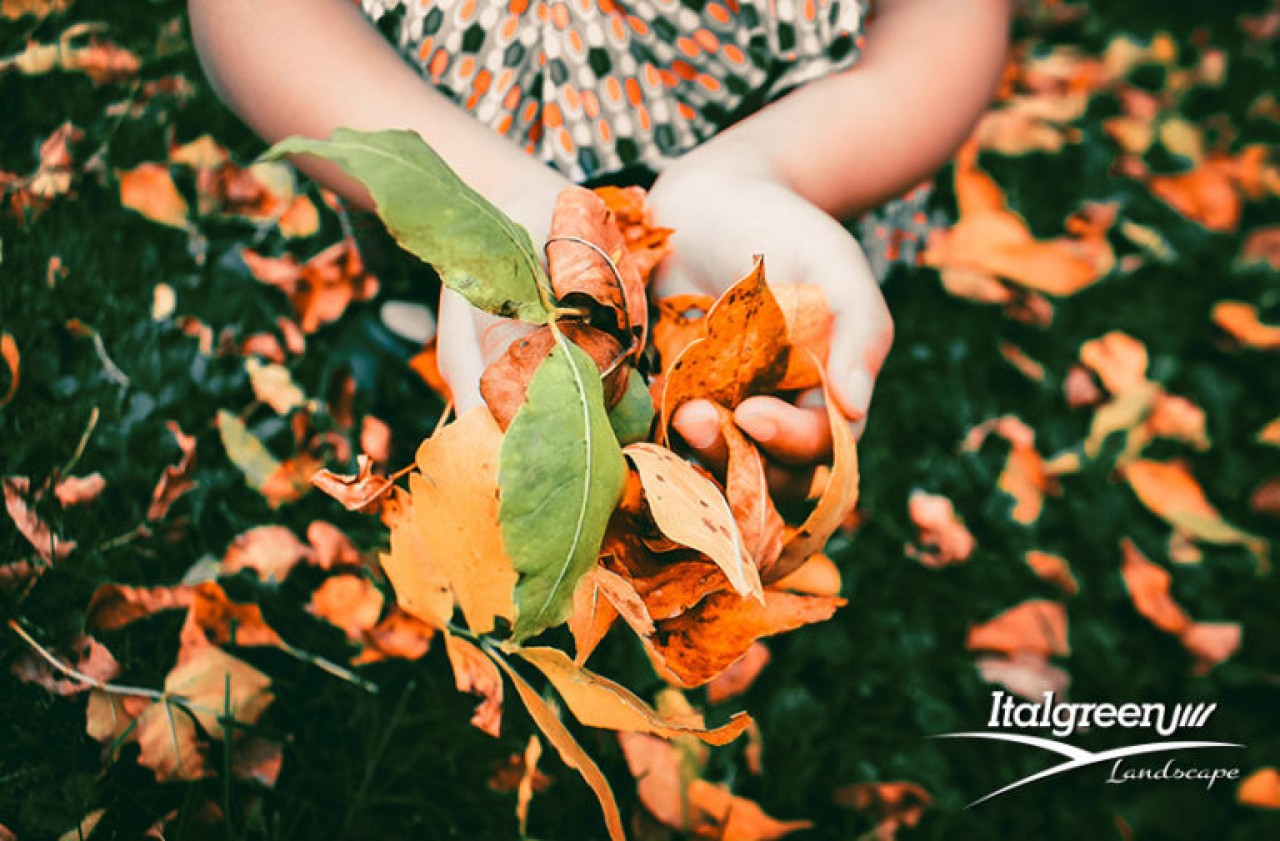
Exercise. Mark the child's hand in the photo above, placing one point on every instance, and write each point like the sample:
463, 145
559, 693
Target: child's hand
723, 216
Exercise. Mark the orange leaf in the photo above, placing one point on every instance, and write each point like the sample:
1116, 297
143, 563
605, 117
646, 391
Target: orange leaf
505, 383
258, 760
77, 490
738, 678
1262, 248
13, 361
599, 702
83, 653
681, 321
944, 540
690, 510
149, 190
454, 516
747, 490
646, 245
300, 218
604, 274
48, 545
270, 551
320, 289
426, 364
1206, 194
740, 818
1210, 643
1261, 789
571, 753
817, 576
838, 499
592, 617
1054, 569
808, 318
743, 353
1241, 321
1037, 626
1119, 360
1024, 476
397, 635
224, 622
677, 587
890, 805
113, 606
348, 601
202, 153
420, 584
1270, 434
362, 491
1025, 674
702, 642
474, 672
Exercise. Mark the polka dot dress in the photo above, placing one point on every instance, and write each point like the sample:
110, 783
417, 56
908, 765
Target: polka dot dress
595, 87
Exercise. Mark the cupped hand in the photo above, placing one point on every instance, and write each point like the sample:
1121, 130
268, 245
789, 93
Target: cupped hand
723, 216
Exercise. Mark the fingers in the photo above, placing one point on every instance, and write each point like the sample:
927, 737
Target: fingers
461, 361
788, 434
861, 338
698, 423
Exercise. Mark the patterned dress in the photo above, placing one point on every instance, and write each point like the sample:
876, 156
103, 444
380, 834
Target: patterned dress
595, 88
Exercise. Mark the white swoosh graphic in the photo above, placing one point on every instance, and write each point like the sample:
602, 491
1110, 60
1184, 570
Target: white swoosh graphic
1077, 757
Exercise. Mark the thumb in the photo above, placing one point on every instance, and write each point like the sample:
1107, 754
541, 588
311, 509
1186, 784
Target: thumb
861, 337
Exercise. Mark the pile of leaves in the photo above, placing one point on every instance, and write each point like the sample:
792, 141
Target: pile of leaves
1069, 480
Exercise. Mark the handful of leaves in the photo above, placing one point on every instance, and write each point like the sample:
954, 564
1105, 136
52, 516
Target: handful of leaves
564, 500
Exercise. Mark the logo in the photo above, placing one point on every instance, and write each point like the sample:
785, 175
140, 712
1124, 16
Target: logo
1066, 718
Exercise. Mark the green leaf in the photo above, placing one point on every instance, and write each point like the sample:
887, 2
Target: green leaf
245, 450
561, 474
477, 250
633, 415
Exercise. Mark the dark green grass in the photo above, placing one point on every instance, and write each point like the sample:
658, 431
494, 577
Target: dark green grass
853, 700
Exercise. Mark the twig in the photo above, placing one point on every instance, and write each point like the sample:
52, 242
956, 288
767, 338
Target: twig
75, 674
113, 371
84, 442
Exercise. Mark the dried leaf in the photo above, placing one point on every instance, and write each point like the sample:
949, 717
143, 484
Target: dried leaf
351, 602
398, 635
1026, 674
681, 321
1024, 477
944, 539
1053, 568
271, 552
362, 491
570, 751
817, 576
452, 528
77, 490
13, 361
1037, 626
48, 545
279, 482
702, 642
647, 244
890, 805
41, 9
592, 617
273, 384
300, 218
1241, 321
747, 490
1261, 248
1261, 789
474, 672
599, 702
113, 606
320, 289
83, 653
739, 677
744, 351
224, 622
258, 760
528, 782
561, 476
837, 502
149, 190
691, 510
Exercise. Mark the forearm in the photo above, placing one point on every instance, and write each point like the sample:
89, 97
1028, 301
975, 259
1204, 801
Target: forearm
306, 67
850, 141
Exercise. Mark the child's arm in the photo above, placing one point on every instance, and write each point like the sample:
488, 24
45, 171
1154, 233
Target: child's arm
835, 147
306, 67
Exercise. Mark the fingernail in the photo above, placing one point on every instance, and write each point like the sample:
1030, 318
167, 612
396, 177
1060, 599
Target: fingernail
857, 391
759, 426
698, 425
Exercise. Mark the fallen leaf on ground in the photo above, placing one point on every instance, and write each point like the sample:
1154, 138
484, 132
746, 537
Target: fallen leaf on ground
1053, 568
1242, 322
1025, 674
271, 552
83, 653
362, 491
351, 602
739, 677
1037, 626
890, 805
149, 190
48, 545
1261, 789
1024, 477
77, 490
13, 361
944, 539
474, 672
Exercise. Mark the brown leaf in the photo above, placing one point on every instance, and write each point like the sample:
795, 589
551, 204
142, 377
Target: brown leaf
83, 653
747, 490
681, 321
77, 490
740, 818
1266, 498
1242, 322
1261, 789
1080, 389
744, 351
149, 190
362, 491
702, 642
890, 805
13, 361
109, 717
571, 753
113, 606
592, 617
944, 539
214, 686
1025, 365
1037, 626
607, 276
599, 702
1024, 476
454, 513
474, 672
690, 510
426, 364
330, 547
258, 760
398, 635
679, 586
176, 479
839, 497
375, 439
1026, 674
1053, 568
224, 622
300, 218
1210, 643
739, 677
817, 576
48, 546
1262, 248
351, 602
320, 289
269, 551
505, 383
647, 244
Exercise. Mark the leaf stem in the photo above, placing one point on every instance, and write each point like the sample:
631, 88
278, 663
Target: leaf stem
75, 674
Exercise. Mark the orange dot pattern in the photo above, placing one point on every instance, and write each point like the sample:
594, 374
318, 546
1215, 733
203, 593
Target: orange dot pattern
593, 87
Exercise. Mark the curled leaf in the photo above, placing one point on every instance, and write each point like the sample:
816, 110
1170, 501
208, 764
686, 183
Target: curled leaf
474, 672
